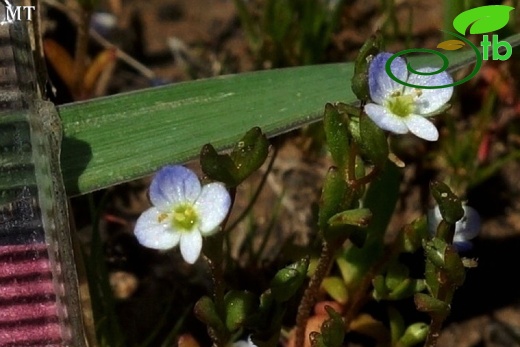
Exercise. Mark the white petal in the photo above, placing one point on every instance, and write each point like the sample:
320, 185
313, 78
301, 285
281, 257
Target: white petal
173, 185
191, 245
465, 229
380, 84
212, 206
385, 119
469, 226
152, 234
421, 127
243, 343
431, 99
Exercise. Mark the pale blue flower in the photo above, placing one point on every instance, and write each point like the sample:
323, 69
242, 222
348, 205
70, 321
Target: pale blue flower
183, 212
466, 228
402, 109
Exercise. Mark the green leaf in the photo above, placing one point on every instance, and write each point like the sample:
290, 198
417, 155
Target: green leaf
455, 271
336, 132
267, 320
431, 305
333, 329
359, 217
206, 312
483, 19
250, 153
355, 234
396, 285
335, 196
332, 196
232, 169
396, 324
380, 291
435, 249
397, 273
360, 79
336, 288
367, 135
126, 136
373, 141
414, 334
450, 205
381, 196
412, 234
239, 306
288, 280
218, 167
123, 137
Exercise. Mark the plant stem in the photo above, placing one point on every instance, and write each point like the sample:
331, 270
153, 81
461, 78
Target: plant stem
434, 332
217, 276
309, 296
213, 254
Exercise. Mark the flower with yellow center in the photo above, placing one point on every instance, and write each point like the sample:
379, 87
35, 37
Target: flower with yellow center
402, 109
183, 212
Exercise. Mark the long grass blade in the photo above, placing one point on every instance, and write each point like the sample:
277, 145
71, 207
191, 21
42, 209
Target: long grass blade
123, 137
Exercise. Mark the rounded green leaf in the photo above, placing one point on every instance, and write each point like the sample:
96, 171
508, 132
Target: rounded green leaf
336, 288
250, 153
427, 303
396, 274
380, 289
449, 204
414, 334
332, 196
288, 280
206, 312
239, 306
483, 19
333, 329
218, 167
371, 139
358, 217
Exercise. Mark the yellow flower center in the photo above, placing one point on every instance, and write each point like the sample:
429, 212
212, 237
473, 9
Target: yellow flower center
400, 105
184, 217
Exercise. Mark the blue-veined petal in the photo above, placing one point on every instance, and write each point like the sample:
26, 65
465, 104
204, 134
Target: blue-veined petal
173, 185
381, 86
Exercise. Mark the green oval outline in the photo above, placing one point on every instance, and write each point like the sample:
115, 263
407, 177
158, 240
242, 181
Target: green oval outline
443, 68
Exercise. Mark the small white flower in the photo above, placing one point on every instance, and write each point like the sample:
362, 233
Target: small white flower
402, 109
183, 212
466, 228
242, 343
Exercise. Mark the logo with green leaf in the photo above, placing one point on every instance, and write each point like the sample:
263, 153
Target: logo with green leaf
480, 20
